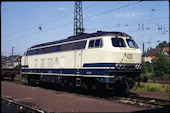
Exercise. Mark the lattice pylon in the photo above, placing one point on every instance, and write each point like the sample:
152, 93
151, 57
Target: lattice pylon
78, 18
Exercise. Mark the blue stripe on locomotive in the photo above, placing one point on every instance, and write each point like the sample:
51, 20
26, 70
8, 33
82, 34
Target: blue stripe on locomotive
83, 72
99, 65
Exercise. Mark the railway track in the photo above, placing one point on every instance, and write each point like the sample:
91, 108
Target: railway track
127, 98
8, 105
143, 101
159, 80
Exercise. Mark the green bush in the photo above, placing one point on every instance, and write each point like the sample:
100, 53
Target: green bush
161, 65
148, 74
153, 87
146, 67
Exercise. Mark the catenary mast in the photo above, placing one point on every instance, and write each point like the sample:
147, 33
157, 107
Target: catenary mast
78, 18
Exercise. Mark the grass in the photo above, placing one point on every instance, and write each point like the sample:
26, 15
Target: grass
153, 87
148, 74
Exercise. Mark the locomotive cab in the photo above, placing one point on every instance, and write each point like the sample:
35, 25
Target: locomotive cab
117, 57
125, 58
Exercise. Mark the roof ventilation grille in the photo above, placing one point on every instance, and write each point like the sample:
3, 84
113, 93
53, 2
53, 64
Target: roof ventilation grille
99, 31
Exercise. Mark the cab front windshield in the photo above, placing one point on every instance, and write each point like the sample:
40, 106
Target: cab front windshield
120, 42
131, 43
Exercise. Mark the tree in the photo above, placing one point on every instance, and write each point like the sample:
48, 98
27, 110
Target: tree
163, 44
161, 65
146, 66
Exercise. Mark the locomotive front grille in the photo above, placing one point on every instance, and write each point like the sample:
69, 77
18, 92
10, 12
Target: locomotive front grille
128, 66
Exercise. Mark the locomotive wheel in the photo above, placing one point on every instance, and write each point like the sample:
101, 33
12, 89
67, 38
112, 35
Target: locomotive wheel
68, 82
120, 88
12, 77
2, 78
33, 80
84, 86
37, 81
94, 87
90, 84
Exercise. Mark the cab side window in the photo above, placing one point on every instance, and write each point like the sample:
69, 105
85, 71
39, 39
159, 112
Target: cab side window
91, 43
118, 42
95, 43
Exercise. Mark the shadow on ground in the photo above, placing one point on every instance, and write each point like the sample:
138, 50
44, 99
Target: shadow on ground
158, 110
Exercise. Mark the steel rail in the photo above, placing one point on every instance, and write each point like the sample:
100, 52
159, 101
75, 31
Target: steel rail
153, 102
143, 101
23, 106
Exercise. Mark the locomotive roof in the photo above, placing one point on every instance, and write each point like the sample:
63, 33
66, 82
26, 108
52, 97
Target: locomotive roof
83, 36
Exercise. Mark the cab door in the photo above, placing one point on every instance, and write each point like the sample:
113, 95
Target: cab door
78, 66
78, 59
24, 59
24, 63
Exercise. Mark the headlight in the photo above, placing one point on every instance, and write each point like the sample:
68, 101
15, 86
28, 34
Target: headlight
120, 66
137, 66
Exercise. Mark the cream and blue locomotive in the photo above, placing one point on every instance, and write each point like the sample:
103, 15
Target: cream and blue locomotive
100, 60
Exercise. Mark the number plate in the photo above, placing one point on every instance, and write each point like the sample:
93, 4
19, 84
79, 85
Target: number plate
129, 56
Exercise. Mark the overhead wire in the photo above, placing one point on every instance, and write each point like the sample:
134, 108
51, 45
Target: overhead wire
84, 19
42, 23
112, 10
142, 17
87, 19
129, 23
72, 22
124, 26
50, 20
21, 37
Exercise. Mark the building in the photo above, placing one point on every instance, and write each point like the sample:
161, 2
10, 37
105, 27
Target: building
147, 57
166, 51
11, 61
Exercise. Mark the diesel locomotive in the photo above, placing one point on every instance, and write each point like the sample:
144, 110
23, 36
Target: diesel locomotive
100, 60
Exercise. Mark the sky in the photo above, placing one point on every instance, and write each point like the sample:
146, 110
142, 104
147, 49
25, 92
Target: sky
20, 21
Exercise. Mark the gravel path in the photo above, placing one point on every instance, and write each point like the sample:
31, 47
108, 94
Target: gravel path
61, 102
156, 95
